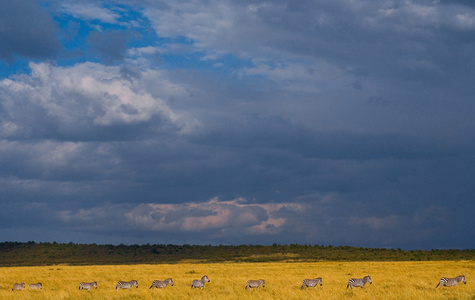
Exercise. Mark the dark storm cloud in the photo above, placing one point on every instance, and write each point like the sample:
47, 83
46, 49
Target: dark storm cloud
410, 41
458, 2
328, 122
27, 30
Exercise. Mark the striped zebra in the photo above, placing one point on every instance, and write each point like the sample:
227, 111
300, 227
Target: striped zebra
36, 286
87, 285
255, 284
18, 286
127, 284
162, 284
312, 283
358, 282
200, 283
444, 281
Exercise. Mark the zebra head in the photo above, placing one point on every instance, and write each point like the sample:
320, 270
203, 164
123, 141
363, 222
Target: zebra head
319, 280
205, 279
263, 282
461, 278
169, 281
368, 279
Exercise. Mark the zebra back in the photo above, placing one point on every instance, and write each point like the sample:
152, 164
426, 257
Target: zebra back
161, 283
255, 283
87, 285
18, 286
35, 286
127, 284
312, 282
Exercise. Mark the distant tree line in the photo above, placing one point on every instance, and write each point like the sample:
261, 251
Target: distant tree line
37, 254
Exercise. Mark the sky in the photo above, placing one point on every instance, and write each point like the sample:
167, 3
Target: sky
329, 122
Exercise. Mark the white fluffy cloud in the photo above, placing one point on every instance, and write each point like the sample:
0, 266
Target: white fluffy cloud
87, 95
90, 11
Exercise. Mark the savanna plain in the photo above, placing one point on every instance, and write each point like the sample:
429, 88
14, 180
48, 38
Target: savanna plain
283, 280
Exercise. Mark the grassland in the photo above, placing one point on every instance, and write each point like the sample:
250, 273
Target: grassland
391, 280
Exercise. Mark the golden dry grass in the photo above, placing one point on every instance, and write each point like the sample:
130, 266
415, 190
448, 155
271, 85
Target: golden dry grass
391, 280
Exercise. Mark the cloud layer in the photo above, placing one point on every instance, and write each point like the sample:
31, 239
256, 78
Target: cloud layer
326, 122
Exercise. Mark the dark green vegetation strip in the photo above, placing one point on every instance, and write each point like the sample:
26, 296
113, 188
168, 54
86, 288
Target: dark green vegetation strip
37, 254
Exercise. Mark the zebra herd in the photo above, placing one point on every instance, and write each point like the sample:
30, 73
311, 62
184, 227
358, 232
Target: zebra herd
353, 282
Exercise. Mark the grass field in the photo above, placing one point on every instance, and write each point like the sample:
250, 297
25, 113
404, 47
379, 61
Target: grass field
391, 280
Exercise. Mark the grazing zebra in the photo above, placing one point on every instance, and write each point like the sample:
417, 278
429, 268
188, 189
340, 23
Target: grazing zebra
358, 282
444, 281
36, 286
312, 282
87, 285
200, 283
18, 286
162, 284
126, 284
255, 284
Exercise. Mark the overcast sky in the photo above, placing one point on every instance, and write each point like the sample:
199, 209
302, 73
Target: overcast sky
343, 122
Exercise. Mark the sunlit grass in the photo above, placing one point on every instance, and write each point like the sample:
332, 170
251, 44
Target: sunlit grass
391, 280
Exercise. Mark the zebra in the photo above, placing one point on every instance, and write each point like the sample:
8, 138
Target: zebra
358, 282
200, 283
162, 284
444, 281
36, 286
312, 283
87, 285
126, 284
255, 284
18, 286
